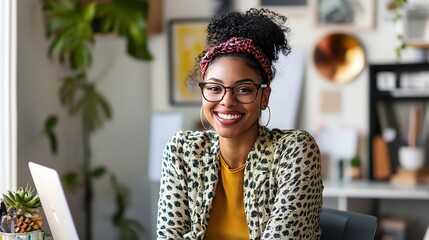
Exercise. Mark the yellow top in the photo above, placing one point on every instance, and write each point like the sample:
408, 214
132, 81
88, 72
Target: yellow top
227, 218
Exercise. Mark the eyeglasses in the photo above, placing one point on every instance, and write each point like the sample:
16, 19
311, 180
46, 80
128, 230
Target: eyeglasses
245, 92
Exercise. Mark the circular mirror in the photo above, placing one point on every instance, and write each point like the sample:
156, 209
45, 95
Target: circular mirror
339, 57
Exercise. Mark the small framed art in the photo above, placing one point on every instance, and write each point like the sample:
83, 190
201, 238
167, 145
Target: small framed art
416, 25
287, 7
186, 42
285, 3
347, 14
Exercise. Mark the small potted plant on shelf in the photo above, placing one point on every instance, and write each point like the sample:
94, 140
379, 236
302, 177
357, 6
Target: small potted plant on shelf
20, 217
355, 168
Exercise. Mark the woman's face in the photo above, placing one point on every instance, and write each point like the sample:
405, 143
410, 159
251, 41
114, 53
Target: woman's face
230, 118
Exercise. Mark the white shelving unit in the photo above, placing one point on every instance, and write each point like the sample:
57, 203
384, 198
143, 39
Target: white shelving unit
344, 191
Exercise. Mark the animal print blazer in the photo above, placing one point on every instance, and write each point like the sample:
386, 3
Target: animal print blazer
282, 185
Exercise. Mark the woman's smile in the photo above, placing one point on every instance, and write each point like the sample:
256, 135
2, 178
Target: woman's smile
228, 117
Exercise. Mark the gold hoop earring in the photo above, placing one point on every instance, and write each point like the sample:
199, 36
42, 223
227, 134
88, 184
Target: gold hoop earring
269, 116
202, 121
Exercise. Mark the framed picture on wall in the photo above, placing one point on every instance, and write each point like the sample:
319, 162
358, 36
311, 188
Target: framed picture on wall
287, 7
347, 14
297, 3
416, 25
186, 42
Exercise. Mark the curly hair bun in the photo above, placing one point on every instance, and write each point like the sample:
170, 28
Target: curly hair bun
266, 28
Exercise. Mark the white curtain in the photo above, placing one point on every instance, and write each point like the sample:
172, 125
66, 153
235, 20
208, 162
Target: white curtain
7, 95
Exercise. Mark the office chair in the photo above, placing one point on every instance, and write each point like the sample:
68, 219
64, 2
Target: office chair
342, 225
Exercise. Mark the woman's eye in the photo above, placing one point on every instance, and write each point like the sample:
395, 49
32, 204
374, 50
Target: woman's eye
244, 89
213, 88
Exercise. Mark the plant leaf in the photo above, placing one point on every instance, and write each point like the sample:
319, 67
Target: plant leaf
98, 172
127, 18
69, 23
70, 88
93, 108
49, 131
89, 12
51, 122
71, 180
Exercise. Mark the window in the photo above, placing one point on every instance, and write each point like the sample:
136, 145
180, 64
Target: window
7, 95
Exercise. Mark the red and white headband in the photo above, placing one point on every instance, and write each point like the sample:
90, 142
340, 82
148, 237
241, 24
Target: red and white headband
237, 45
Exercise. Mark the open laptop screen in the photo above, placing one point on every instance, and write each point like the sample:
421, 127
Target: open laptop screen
54, 203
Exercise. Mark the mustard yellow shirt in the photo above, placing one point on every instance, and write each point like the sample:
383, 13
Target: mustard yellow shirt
227, 218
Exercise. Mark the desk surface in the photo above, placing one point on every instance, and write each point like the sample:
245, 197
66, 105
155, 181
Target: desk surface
368, 189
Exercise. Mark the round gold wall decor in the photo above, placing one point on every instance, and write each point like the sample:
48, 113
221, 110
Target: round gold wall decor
339, 57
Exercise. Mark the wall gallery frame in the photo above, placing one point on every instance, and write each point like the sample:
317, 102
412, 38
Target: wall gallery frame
346, 14
416, 25
297, 3
287, 7
186, 42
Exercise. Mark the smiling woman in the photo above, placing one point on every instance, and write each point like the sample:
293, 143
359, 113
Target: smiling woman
7, 96
240, 179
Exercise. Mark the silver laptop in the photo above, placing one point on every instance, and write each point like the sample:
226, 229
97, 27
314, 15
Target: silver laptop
54, 203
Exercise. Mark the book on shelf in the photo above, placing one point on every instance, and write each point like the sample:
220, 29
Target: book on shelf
388, 131
381, 160
392, 229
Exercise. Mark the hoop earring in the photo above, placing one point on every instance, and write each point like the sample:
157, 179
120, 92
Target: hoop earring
269, 116
202, 121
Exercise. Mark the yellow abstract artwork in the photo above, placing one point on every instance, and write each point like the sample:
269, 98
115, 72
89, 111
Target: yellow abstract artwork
187, 42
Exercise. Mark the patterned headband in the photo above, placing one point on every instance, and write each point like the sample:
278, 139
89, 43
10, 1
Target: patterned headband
237, 45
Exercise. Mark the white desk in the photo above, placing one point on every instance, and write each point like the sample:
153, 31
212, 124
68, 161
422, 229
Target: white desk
372, 190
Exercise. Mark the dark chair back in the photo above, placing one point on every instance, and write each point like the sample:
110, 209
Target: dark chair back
343, 225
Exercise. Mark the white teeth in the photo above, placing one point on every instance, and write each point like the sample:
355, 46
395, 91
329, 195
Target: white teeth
229, 117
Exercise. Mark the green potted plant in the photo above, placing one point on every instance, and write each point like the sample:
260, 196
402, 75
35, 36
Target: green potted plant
19, 212
397, 6
355, 168
71, 27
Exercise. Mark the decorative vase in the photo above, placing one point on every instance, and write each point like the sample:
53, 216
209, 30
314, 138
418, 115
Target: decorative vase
411, 158
33, 235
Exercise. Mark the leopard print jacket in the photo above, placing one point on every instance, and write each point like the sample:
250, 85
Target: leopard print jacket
282, 185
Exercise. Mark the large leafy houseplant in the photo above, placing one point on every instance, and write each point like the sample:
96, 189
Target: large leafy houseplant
71, 27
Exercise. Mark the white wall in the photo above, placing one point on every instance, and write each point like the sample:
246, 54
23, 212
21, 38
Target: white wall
122, 145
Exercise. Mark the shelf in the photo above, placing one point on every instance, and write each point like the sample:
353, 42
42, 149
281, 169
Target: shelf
375, 190
402, 95
417, 44
406, 93
399, 67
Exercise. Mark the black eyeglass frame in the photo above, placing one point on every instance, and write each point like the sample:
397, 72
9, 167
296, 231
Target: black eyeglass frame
258, 86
